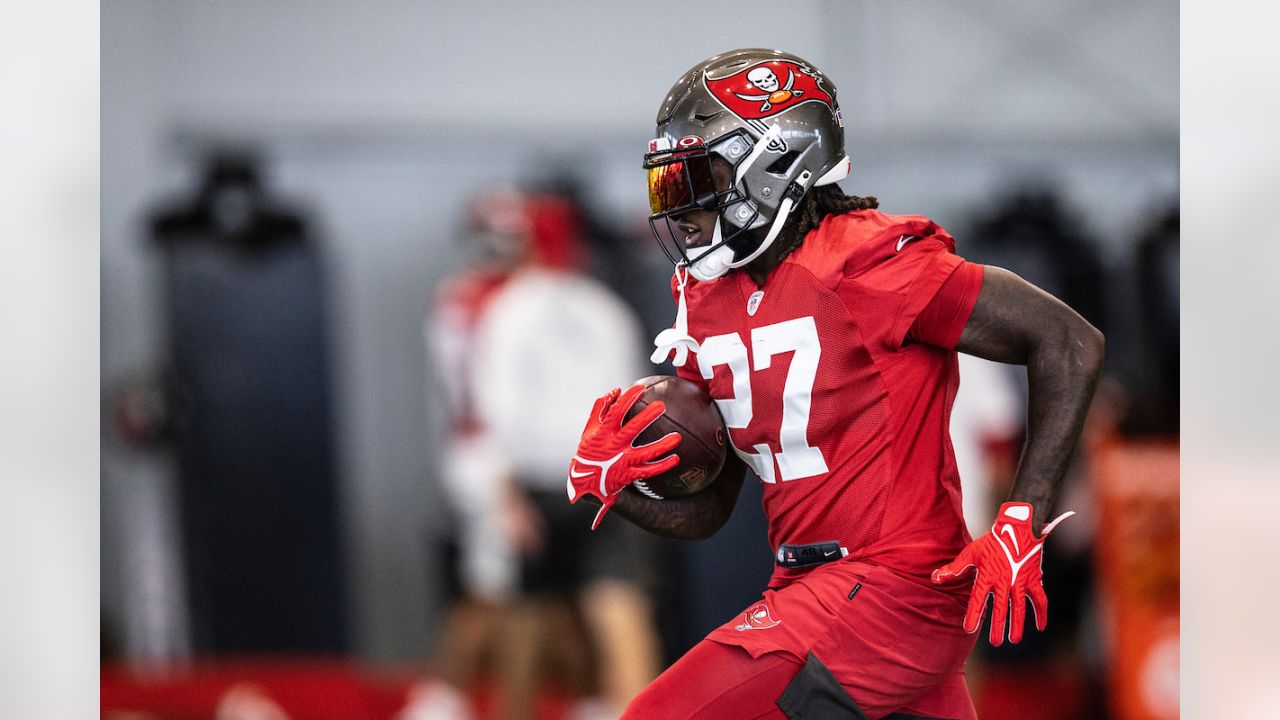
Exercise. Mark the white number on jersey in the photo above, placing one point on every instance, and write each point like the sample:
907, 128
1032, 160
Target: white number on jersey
797, 458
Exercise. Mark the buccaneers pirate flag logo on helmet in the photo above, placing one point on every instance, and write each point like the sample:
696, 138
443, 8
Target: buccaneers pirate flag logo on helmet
768, 88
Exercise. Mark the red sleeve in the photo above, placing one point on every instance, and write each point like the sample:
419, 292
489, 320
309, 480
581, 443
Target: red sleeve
894, 278
944, 317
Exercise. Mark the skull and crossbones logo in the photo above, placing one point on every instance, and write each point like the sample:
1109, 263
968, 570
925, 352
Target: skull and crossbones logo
766, 80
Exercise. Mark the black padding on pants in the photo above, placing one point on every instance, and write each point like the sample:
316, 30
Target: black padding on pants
815, 694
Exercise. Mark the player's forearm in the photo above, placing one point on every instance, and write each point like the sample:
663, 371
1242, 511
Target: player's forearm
696, 517
1016, 322
1062, 372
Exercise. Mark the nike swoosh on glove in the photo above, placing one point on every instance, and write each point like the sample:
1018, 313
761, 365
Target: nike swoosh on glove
1007, 561
606, 461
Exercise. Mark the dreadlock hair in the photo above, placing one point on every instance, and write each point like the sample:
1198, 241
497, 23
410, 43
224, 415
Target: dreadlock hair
816, 205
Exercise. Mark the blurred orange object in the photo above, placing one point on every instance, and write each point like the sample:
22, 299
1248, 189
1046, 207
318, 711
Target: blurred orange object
1138, 553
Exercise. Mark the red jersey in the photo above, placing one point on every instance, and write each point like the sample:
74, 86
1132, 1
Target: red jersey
830, 401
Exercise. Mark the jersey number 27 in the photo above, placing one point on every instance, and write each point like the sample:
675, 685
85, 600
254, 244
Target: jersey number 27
797, 458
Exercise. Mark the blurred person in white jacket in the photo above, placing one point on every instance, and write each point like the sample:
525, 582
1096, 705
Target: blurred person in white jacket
521, 341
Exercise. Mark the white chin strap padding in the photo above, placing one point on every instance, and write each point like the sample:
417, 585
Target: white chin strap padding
712, 265
708, 264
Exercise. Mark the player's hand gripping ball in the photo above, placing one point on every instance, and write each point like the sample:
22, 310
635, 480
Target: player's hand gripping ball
691, 413
609, 459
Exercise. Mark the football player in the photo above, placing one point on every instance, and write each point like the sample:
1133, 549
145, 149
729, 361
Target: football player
827, 333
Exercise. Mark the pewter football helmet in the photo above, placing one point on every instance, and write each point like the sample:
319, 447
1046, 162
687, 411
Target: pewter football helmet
774, 118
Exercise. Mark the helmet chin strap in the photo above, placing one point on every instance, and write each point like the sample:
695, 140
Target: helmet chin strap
706, 263
676, 340
784, 209
711, 265
714, 259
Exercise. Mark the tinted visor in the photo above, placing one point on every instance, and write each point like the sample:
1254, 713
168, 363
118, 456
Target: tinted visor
680, 180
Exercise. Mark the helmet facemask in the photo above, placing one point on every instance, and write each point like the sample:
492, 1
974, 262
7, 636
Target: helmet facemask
681, 180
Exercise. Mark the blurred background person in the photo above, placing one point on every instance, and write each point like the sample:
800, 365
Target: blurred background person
553, 338
511, 336
489, 518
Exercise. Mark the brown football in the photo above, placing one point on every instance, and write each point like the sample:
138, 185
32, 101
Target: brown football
693, 414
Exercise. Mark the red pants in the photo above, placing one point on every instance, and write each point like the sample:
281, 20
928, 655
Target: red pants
894, 644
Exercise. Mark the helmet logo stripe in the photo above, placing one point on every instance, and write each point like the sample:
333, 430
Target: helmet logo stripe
756, 93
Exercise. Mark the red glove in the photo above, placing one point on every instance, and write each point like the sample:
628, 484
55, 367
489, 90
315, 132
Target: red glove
607, 461
1008, 566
